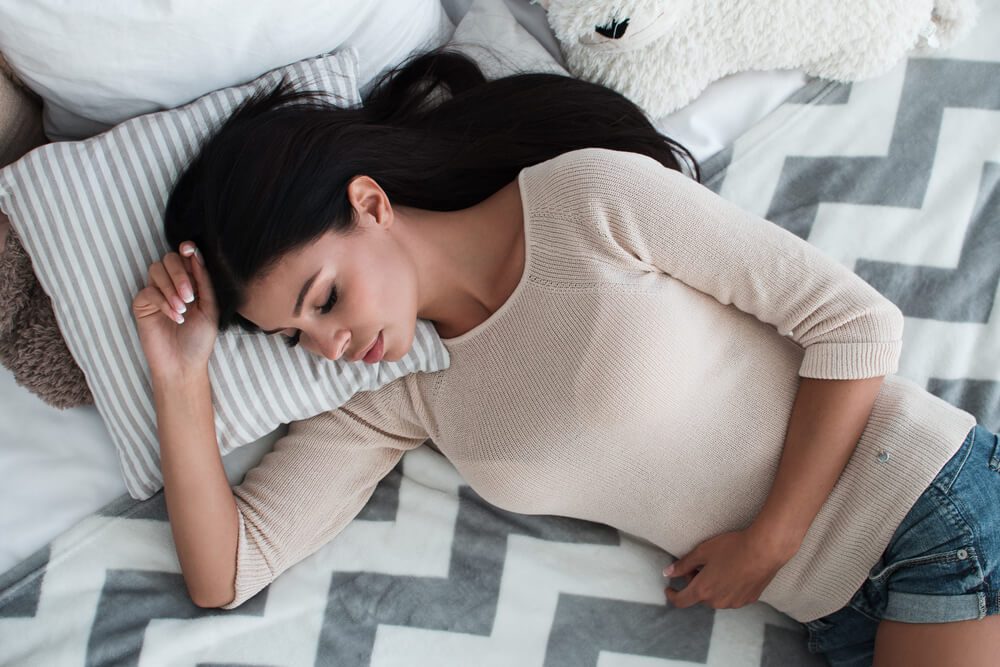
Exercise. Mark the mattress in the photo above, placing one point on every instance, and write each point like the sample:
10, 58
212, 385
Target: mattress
49, 488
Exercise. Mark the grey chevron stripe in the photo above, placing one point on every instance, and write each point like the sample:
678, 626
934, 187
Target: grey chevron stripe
963, 294
900, 179
464, 602
22, 586
930, 86
130, 599
585, 626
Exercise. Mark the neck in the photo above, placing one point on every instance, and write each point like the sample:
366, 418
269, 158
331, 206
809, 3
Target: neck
462, 258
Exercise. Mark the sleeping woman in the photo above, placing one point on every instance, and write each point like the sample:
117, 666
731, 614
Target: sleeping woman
626, 347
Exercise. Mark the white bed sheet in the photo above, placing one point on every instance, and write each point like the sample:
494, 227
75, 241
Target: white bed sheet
58, 466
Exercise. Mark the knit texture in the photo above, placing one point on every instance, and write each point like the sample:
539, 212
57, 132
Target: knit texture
642, 375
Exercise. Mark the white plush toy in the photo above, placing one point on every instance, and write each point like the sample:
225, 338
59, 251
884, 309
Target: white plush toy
662, 53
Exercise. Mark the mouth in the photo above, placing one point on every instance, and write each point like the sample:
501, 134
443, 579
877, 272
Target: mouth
374, 352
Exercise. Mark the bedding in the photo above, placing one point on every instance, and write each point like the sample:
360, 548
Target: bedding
897, 177
31, 514
97, 63
89, 214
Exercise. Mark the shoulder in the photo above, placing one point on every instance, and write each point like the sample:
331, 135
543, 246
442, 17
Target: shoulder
595, 176
584, 205
594, 159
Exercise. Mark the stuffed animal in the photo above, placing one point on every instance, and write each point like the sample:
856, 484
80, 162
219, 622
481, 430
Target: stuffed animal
662, 53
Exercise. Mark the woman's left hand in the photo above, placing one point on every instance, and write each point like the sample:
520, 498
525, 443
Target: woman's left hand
734, 567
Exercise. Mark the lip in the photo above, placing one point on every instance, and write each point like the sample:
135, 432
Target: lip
367, 349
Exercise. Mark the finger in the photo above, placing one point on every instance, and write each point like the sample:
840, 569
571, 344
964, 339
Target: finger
159, 278
682, 599
179, 276
150, 300
203, 281
683, 566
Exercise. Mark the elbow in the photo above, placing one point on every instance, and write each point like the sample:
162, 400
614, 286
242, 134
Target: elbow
896, 320
211, 599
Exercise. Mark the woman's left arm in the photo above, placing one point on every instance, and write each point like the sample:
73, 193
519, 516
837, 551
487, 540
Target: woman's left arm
851, 337
827, 420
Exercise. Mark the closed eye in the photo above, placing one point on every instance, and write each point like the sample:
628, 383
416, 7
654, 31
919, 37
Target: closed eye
292, 341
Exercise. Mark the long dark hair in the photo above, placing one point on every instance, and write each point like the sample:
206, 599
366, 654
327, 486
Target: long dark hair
432, 132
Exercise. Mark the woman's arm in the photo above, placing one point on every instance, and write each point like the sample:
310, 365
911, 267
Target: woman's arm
827, 420
200, 504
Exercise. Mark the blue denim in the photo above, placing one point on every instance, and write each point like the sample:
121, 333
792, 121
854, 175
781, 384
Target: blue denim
942, 563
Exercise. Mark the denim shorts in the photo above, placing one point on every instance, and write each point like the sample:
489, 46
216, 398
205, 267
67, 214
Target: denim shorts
942, 563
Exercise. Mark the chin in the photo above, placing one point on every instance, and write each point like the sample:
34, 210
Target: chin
390, 355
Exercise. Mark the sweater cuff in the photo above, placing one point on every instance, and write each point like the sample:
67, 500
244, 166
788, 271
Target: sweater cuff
850, 361
250, 577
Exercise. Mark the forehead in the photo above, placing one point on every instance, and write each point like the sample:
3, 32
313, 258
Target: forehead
271, 298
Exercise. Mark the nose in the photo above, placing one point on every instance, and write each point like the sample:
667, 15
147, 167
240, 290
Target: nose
613, 30
332, 347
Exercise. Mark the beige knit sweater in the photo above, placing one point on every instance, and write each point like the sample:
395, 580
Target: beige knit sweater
641, 375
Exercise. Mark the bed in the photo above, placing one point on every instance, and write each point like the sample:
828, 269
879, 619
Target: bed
897, 177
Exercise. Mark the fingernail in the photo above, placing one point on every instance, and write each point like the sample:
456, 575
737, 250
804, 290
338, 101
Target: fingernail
180, 319
179, 306
186, 294
197, 254
668, 570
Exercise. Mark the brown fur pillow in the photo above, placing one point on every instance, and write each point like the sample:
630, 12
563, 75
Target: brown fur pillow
31, 345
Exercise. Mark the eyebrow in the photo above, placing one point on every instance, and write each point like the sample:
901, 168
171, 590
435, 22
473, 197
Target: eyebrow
298, 302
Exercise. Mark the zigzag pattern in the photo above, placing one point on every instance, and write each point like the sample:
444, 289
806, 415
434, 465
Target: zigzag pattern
910, 201
898, 178
509, 588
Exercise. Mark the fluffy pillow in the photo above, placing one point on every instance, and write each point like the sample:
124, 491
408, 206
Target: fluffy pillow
99, 63
491, 35
89, 214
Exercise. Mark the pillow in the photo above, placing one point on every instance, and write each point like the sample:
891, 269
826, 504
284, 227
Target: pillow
724, 110
97, 63
89, 214
491, 35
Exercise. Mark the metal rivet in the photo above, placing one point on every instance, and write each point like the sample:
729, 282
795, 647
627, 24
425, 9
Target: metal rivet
962, 554
883, 456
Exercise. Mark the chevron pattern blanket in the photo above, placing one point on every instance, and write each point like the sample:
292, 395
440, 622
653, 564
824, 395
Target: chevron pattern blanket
898, 177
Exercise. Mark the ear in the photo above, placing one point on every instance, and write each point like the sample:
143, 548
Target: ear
370, 203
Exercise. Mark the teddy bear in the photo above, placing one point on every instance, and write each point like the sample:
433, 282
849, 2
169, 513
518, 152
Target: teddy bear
662, 54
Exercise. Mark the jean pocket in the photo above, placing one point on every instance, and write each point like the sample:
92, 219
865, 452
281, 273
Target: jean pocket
994, 463
954, 572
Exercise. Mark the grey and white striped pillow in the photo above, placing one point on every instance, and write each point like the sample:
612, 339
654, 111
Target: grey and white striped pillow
90, 215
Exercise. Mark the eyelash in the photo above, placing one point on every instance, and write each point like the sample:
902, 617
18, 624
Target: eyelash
292, 341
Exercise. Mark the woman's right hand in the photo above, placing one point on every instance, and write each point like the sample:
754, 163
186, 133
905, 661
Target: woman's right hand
175, 341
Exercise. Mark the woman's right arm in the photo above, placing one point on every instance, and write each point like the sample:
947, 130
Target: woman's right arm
231, 543
203, 514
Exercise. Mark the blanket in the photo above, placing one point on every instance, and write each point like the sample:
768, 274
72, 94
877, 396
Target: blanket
897, 177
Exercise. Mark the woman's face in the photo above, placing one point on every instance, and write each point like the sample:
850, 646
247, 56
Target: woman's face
352, 287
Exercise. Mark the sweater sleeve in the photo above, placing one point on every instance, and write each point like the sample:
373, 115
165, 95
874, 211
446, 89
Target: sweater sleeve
315, 481
677, 226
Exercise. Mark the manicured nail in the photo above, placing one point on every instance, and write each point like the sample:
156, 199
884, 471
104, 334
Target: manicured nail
180, 319
197, 255
179, 306
186, 294
668, 570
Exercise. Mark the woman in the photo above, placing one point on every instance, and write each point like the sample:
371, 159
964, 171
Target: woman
626, 347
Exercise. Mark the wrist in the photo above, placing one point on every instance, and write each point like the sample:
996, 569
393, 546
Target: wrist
782, 543
172, 378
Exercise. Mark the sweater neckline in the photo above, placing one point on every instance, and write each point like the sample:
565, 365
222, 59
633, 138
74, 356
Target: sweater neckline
485, 324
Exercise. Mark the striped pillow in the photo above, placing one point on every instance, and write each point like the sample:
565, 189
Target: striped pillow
90, 215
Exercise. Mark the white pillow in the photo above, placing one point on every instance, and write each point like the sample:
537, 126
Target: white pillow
90, 216
491, 35
97, 63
